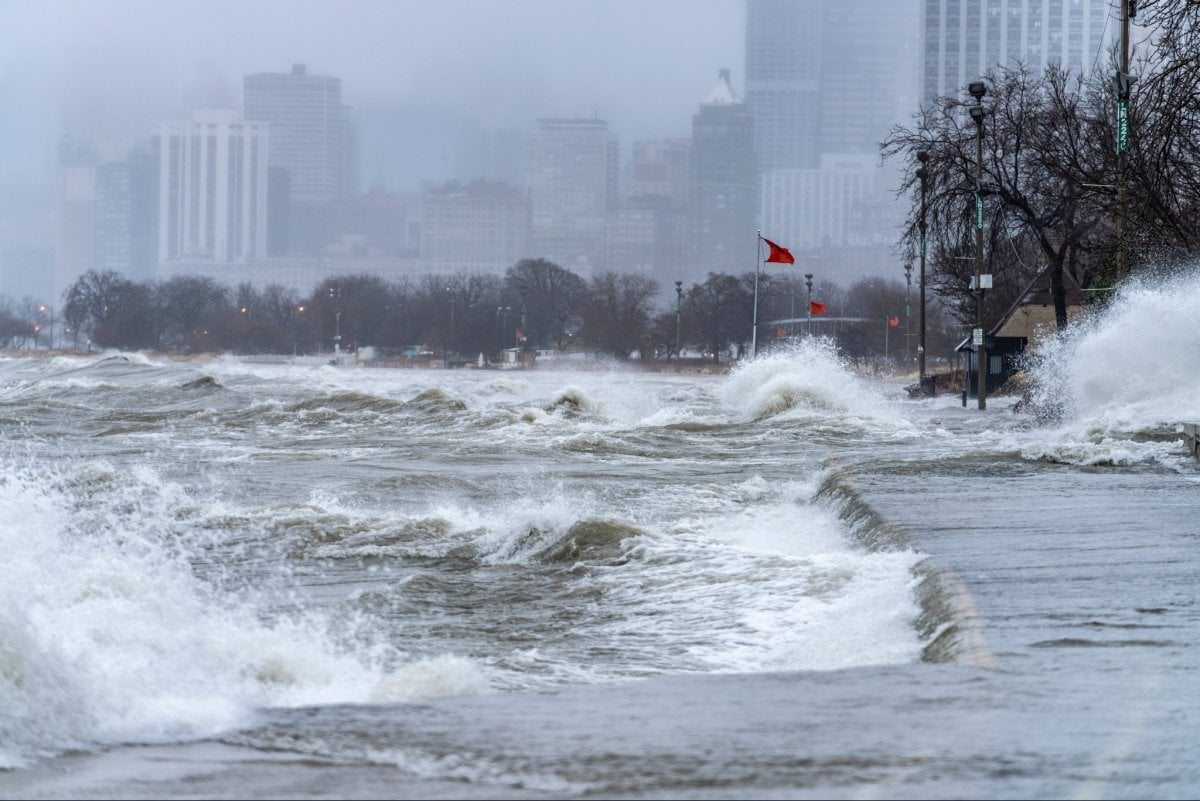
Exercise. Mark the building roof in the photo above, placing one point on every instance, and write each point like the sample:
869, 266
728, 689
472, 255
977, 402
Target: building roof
722, 94
1037, 293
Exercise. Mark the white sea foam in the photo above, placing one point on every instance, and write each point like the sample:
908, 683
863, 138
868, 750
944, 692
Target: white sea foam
106, 634
1134, 366
807, 380
1114, 378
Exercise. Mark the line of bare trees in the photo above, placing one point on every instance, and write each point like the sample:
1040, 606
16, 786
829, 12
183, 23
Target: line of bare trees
1050, 173
536, 304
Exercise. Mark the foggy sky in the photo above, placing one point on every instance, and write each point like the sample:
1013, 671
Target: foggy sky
112, 69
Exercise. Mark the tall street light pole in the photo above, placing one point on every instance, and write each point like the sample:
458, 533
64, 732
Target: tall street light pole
808, 283
524, 316
1123, 84
923, 175
978, 89
678, 304
335, 294
41, 311
907, 313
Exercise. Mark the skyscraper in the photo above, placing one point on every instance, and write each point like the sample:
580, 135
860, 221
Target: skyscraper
312, 139
125, 216
827, 80
723, 188
75, 250
572, 174
783, 80
211, 177
965, 38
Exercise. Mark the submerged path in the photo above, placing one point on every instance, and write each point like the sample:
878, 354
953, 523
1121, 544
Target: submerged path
1084, 588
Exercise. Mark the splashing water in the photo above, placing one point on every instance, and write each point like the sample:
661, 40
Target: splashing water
106, 634
1133, 367
805, 380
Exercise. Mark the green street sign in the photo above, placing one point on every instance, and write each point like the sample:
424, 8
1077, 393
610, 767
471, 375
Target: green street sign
1122, 126
979, 212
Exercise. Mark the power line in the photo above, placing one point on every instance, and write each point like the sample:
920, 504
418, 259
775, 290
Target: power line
1104, 32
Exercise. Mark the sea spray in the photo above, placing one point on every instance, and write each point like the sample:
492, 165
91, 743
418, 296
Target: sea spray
107, 634
806, 380
1128, 371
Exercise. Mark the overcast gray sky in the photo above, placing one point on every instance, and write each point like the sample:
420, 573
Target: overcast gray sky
111, 68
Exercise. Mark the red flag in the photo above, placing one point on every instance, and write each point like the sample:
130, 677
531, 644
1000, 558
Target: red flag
778, 254
894, 322
816, 307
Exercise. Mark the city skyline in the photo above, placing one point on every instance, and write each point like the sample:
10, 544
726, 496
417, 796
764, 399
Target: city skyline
403, 98
462, 63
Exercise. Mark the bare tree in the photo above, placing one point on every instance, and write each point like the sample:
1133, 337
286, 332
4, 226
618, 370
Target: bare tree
196, 309
1041, 164
717, 312
617, 313
549, 297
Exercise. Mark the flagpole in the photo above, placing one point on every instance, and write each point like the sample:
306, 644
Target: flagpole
757, 262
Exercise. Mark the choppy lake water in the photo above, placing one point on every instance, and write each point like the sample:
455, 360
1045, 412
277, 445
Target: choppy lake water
231, 579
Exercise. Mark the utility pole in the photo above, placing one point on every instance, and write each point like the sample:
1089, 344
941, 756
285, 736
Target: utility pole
754, 324
335, 294
978, 89
923, 175
808, 283
678, 303
1123, 84
907, 313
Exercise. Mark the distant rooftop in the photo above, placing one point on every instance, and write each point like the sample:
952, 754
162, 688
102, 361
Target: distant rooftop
722, 94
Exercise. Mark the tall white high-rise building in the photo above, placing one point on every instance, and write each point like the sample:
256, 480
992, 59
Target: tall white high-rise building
965, 38
211, 179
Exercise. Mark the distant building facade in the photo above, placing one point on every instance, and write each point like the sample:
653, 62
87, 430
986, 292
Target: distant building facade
480, 227
211, 188
962, 39
125, 212
75, 249
572, 174
381, 219
647, 235
827, 80
783, 80
723, 185
660, 167
312, 138
810, 209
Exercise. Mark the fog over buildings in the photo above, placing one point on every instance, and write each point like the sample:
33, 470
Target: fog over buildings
285, 141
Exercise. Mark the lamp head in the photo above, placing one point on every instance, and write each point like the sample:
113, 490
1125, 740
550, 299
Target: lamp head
977, 114
977, 89
922, 174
